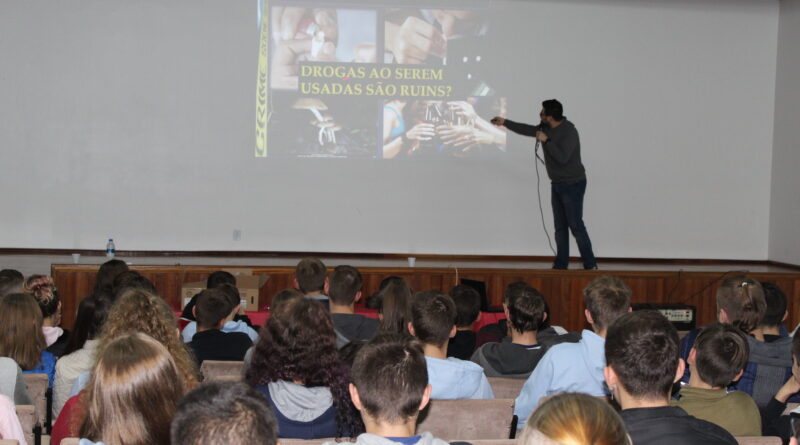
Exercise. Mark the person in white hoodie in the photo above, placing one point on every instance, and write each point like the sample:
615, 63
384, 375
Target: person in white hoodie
390, 387
433, 322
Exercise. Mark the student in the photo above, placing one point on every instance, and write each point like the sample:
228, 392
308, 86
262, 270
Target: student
641, 350
224, 413
497, 332
772, 420
578, 367
395, 302
79, 354
11, 282
433, 322
770, 362
44, 291
574, 418
296, 365
21, 336
516, 356
390, 387
135, 311
107, 274
344, 292
310, 277
133, 393
718, 357
740, 302
213, 310
230, 323
214, 279
468, 312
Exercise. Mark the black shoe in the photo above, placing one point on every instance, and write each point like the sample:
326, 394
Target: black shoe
559, 267
591, 268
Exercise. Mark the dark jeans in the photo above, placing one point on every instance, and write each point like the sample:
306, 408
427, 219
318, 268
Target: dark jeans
567, 200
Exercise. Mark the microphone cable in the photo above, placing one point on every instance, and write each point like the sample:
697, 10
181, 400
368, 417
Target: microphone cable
539, 194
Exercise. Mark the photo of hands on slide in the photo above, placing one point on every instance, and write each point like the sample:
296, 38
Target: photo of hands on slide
341, 111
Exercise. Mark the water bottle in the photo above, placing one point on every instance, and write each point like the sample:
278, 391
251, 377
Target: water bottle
110, 249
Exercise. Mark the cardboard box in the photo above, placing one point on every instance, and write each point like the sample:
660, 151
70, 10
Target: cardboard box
249, 287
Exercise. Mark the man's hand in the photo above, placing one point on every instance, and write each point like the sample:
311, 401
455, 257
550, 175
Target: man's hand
791, 387
499, 121
541, 137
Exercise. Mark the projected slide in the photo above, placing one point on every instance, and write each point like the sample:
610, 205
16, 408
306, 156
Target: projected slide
368, 80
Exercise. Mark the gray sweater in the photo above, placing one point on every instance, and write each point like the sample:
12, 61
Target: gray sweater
562, 151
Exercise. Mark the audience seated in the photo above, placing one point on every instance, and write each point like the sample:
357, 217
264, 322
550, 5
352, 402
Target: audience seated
106, 276
310, 277
213, 310
44, 291
433, 322
344, 292
134, 311
641, 350
79, 354
216, 279
574, 419
133, 393
578, 367
770, 361
718, 357
468, 311
21, 335
390, 387
395, 303
740, 302
296, 365
231, 324
772, 420
500, 331
516, 356
374, 301
224, 413
11, 282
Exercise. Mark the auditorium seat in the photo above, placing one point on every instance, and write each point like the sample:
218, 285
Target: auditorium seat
506, 388
8, 442
492, 442
468, 419
216, 370
70, 441
38, 389
27, 419
305, 441
758, 440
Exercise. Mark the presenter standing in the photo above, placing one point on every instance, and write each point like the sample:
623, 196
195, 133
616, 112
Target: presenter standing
562, 157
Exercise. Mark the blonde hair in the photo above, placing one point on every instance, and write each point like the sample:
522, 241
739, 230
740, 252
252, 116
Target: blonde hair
21, 336
138, 310
743, 300
133, 394
575, 419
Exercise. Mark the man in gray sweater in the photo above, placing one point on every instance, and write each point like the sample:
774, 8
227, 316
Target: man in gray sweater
562, 157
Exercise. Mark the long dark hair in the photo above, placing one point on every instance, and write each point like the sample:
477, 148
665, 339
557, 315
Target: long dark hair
106, 274
92, 312
395, 305
299, 344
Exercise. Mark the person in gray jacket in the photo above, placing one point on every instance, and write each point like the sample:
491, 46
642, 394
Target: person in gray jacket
390, 387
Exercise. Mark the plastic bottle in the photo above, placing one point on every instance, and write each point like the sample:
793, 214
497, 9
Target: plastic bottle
111, 250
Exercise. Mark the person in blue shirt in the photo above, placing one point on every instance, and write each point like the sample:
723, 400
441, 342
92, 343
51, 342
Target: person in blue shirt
578, 367
433, 322
21, 335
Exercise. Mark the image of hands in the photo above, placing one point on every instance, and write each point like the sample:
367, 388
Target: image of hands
414, 36
324, 127
318, 34
430, 128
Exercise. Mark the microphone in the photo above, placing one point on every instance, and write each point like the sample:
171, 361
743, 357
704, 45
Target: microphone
539, 143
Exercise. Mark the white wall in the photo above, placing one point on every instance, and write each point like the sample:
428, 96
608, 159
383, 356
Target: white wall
135, 120
784, 240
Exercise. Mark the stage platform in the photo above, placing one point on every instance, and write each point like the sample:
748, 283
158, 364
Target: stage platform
653, 281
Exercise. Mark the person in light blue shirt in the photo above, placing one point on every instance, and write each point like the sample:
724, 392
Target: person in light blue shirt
229, 326
578, 367
433, 322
